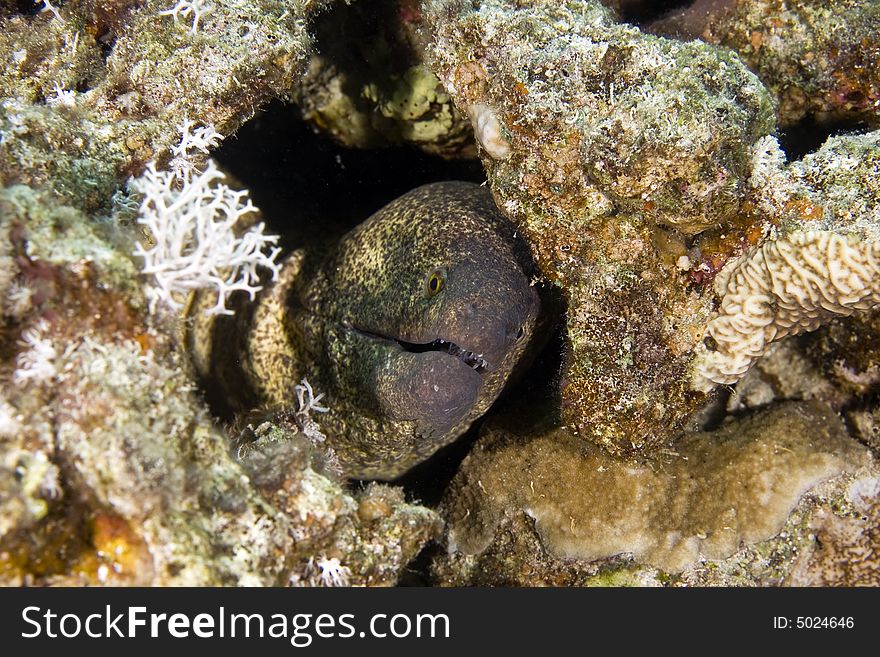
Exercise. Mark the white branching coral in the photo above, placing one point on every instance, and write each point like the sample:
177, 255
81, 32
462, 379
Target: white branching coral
62, 96
193, 223
47, 7
194, 142
197, 8
37, 363
328, 572
306, 403
785, 287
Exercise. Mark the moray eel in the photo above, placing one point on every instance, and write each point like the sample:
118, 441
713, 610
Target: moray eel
410, 327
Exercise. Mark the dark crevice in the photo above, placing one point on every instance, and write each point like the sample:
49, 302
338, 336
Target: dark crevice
639, 12
28, 7
808, 135
713, 415
105, 42
311, 189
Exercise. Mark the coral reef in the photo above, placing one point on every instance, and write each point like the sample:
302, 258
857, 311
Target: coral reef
195, 245
818, 58
620, 145
645, 172
638, 167
112, 471
844, 550
92, 94
524, 503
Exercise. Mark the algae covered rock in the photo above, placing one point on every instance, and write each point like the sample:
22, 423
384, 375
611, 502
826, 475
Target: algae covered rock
819, 58
710, 496
608, 147
845, 546
639, 167
91, 95
629, 119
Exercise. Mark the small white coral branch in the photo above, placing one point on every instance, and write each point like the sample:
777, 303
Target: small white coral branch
306, 403
785, 287
47, 7
37, 364
306, 399
196, 245
192, 143
197, 8
62, 96
331, 572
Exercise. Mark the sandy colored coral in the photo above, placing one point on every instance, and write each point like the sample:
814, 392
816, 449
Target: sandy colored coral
705, 499
821, 262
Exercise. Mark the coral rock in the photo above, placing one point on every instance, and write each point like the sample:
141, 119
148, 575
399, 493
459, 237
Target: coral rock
714, 493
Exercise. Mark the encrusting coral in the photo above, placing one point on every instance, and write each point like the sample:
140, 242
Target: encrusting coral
818, 57
715, 495
91, 95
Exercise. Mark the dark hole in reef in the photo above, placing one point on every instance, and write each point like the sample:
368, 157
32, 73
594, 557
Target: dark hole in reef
311, 189
808, 135
106, 40
29, 7
639, 12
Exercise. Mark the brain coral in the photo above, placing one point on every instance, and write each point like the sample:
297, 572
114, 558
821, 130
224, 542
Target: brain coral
785, 287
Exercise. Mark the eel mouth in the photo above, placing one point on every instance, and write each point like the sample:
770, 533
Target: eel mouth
472, 359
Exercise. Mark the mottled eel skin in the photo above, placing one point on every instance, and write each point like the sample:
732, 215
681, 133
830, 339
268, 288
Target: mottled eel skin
411, 327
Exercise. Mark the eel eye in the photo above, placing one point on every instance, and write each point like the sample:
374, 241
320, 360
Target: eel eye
435, 282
